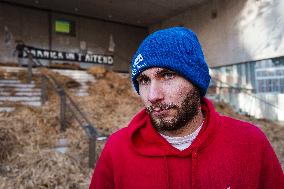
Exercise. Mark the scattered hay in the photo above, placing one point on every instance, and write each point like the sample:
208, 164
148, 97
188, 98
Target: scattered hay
72, 66
111, 104
62, 80
21, 75
2, 73
97, 71
49, 170
46, 169
7, 143
10, 64
33, 163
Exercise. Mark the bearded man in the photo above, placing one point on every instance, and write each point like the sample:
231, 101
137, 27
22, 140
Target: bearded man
178, 140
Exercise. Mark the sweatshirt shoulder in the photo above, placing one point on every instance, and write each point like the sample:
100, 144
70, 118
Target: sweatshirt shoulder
122, 137
118, 137
242, 129
119, 134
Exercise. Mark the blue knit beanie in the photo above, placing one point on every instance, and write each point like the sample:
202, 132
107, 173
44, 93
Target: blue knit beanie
176, 49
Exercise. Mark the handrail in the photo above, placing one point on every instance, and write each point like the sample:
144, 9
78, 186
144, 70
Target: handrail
245, 90
90, 131
66, 103
72, 106
31, 57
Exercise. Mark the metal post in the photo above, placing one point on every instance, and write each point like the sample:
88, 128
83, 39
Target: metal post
62, 110
92, 135
30, 72
50, 33
92, 151
20, 50
43, 90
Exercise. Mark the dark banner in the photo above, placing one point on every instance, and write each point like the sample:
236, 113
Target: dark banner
66, 56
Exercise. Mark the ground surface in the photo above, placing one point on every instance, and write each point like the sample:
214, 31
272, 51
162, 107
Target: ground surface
29, 137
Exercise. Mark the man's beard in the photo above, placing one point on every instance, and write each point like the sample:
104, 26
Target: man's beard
185, 112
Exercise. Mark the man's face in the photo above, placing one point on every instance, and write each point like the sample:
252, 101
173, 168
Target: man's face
171, 100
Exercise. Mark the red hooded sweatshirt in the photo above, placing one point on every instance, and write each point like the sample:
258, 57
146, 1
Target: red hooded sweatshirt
227, 154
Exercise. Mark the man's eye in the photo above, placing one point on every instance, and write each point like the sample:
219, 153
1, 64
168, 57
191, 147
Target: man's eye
143, 81
168, 75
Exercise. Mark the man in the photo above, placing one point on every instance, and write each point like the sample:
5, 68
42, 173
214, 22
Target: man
179, 141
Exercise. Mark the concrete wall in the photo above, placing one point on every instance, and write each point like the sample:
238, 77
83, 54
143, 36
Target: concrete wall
244, 30
261, 106
92, 36
18, 23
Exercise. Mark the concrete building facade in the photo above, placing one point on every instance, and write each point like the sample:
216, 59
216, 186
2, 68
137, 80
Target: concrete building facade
243, 42
36, 28
235, 31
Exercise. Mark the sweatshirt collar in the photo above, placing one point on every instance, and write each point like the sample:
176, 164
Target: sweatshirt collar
146, 141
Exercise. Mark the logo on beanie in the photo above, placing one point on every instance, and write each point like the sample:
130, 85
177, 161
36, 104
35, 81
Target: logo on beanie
138, 59
136, 65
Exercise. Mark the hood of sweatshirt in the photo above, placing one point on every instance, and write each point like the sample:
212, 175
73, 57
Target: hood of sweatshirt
146, 141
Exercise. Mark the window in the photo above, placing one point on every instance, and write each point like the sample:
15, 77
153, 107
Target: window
264, 76
270, 79
65, 27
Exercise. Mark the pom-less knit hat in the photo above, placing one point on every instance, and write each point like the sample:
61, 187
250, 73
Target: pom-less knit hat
176, 49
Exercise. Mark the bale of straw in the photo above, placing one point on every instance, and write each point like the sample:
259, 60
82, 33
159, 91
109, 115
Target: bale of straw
7, 143
66, 82
97, 71
49, 169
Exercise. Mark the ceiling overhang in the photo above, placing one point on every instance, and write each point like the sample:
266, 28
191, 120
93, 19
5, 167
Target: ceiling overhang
134, 12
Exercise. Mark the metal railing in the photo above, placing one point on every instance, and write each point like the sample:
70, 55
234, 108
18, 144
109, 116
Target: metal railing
67, 104
228, 93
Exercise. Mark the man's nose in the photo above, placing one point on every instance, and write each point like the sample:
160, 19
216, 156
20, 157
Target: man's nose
155, 93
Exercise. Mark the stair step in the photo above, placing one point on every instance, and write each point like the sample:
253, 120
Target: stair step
82, 93
81, 77
13, 93
7, 109
8, 89
32, 103
78, 75
16, 69
19, 98
17, 103
18, 85
14, 102
83, 87
15, 82
10, 81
